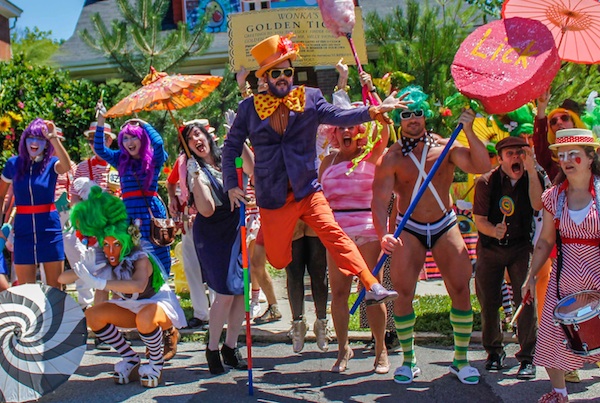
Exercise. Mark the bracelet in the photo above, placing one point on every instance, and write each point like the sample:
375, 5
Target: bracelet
246, 91
346, 88
373, 90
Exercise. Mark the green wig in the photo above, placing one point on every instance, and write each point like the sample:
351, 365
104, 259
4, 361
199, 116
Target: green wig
517, 122
103, 215
418, 99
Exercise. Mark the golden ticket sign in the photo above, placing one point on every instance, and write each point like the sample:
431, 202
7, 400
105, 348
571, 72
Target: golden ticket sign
322, 48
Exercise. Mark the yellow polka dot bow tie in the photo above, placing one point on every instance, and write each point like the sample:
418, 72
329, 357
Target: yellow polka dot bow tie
266, 104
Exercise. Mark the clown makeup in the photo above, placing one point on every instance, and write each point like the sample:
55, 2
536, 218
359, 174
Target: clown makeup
571, 155
35, 146
112, 250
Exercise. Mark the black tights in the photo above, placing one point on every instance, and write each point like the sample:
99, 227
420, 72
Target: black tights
308, 252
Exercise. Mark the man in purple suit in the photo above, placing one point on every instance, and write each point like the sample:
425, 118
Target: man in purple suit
282, 125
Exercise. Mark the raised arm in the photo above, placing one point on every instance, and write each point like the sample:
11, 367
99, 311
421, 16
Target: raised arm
473, 159
157, 142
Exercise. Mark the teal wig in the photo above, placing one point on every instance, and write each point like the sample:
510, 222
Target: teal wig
418, 99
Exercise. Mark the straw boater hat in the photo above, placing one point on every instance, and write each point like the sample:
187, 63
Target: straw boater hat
272, 51
574, 137
89, 134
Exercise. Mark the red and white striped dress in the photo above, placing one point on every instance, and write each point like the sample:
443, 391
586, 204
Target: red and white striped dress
581, 271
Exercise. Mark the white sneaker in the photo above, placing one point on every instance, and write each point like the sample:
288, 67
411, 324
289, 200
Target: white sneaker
378, 295
261, 296
254, 309
297, 334
322, 333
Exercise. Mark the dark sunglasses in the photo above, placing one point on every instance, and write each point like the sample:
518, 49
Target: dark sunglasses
276, 73
564, 118
405, 115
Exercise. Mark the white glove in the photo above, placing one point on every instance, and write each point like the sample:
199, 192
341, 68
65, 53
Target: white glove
193, 167
83, 272
229, 119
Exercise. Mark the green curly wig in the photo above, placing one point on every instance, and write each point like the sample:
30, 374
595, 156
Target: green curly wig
419, 102
103, 215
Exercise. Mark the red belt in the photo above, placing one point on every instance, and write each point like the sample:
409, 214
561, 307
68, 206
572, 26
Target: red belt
37, 209
138, 193
590, 242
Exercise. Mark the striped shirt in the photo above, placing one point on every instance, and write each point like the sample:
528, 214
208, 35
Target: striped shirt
99, 174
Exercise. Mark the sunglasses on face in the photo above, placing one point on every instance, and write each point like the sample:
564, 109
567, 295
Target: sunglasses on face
564, 118
276, 73
405, 115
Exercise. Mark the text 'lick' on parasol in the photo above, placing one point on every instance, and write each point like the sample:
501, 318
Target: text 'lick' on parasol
161, 91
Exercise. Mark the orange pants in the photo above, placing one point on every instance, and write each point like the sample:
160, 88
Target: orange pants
278, 229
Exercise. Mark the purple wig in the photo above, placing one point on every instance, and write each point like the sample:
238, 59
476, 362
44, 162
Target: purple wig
142, 166
36, 128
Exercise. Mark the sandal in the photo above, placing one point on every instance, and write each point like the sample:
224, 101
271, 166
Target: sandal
382, 363
342, 363
150, 375
126, 371
467, 375
405, 374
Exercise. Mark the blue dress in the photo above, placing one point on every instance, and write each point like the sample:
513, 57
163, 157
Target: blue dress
38, 236
217, 240
135, 205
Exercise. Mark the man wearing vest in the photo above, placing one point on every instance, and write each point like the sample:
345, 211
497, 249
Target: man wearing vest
504, 205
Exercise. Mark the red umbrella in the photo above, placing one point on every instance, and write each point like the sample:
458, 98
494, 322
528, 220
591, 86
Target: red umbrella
575, 25
506, 63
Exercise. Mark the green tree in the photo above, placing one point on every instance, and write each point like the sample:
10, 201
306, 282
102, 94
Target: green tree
34, 46
28, 91
421, 40
574, 81
137, 41
491, 8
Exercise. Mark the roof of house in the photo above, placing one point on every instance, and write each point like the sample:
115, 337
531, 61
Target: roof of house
9, 10
83, 61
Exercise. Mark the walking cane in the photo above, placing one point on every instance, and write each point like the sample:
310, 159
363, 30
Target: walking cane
410, 209
245, 264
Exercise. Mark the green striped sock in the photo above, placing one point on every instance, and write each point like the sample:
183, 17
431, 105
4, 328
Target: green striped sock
462, 324
405, 326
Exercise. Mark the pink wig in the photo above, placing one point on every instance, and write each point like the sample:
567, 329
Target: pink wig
329, 132
37, 128
142, 167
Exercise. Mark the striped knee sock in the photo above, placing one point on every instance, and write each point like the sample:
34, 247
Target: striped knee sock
110, 335
153, 341
507, 297
462, 324
405, 326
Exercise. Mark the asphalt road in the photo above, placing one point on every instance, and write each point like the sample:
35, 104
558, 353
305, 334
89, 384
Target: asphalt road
282, 376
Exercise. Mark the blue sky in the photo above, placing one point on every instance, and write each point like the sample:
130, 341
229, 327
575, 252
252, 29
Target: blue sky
58, 16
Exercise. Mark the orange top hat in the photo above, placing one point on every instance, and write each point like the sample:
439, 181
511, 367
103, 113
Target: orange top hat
272, 51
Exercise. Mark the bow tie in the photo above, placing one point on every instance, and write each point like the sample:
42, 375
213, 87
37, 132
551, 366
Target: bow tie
97, 161
266, 104
409, 143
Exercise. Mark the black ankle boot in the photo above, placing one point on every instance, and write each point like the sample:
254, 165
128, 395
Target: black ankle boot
233, 358
213, 358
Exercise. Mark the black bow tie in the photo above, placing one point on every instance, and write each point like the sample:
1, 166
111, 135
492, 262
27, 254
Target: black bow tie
408, 143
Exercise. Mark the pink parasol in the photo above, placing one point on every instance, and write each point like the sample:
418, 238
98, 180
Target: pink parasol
339, 18
506, 63
575, 25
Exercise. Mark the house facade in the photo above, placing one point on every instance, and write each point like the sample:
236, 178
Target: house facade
7, 12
